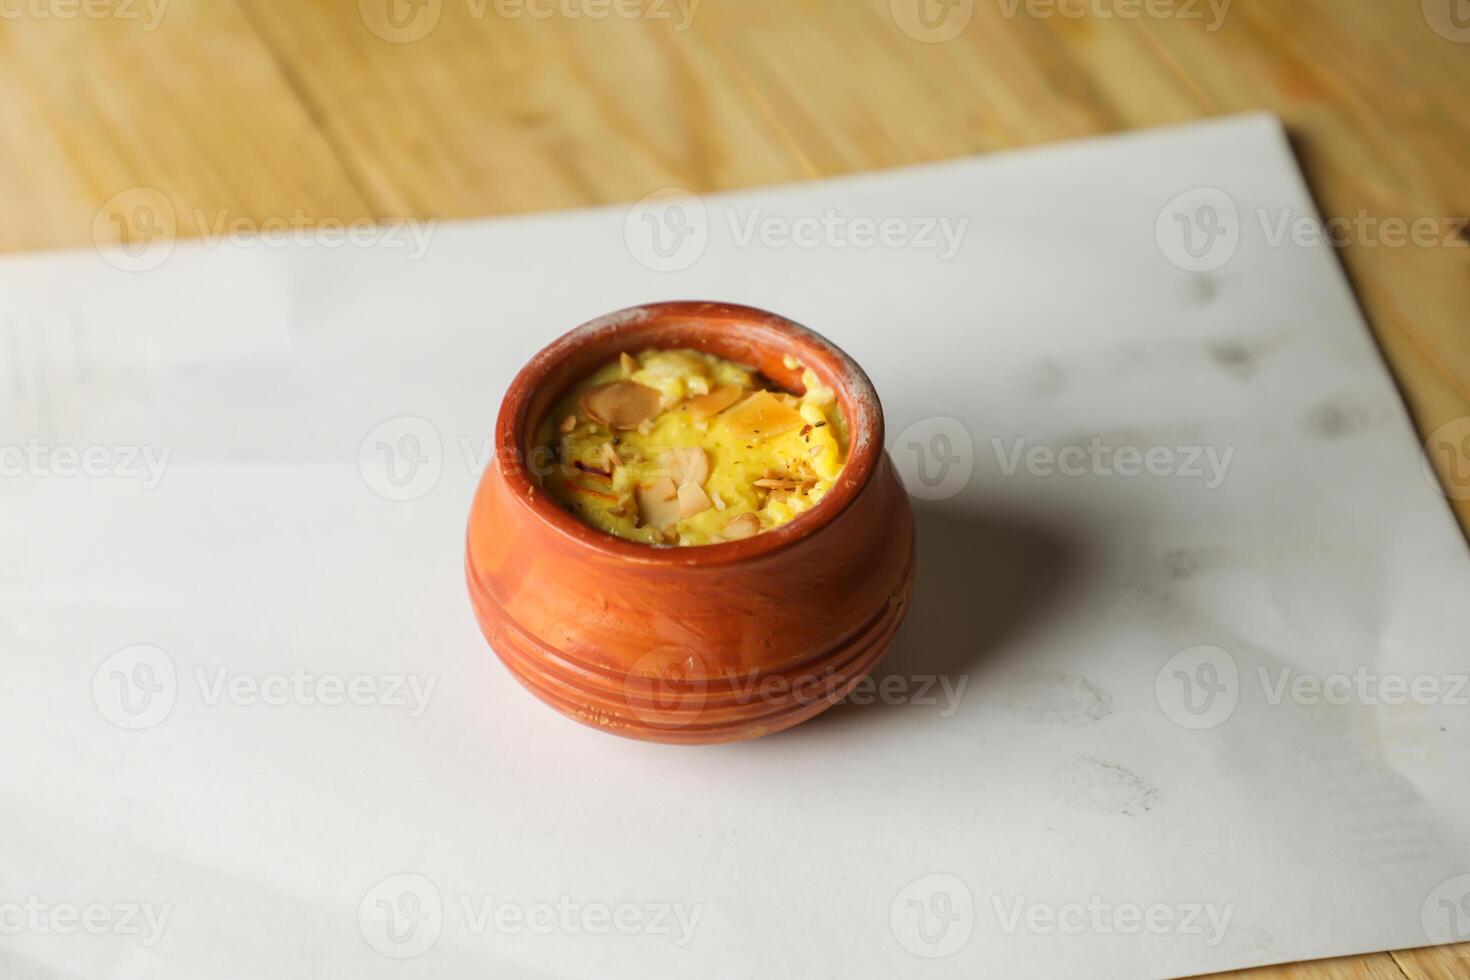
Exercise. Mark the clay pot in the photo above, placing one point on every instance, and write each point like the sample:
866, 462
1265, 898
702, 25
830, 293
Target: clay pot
700, 644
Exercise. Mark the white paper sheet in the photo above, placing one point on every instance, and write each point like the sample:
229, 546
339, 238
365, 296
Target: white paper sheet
1063, 813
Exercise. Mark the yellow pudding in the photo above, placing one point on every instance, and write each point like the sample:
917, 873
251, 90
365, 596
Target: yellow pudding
680, 447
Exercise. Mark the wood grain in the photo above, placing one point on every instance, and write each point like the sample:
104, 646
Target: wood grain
273, 108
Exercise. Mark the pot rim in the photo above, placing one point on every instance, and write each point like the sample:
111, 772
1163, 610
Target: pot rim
772, 333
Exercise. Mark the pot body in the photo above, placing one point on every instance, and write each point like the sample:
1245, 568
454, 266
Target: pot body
689, 645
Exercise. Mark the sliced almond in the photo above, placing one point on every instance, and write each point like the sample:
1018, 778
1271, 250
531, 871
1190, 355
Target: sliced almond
745, 526
697, 384
762, 416
692, 500
567, 425
627, 363
658, 503
715, 402
621, 404
717, 500
778, 484
685, 464
610, 457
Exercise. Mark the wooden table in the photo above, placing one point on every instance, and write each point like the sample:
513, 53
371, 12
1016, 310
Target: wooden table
334, 109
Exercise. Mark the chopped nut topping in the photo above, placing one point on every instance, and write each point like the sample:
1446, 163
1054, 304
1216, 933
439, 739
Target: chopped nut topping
692, 500
658, 503
641, 459
745, 526
685, 464
621, 404
762, 415
715, 402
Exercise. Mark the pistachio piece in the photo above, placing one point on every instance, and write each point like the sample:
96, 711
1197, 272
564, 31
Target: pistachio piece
621, 404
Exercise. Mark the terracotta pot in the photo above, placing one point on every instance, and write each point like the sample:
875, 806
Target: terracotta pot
701, 644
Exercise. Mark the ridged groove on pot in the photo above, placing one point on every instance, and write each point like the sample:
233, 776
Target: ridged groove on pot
735, 711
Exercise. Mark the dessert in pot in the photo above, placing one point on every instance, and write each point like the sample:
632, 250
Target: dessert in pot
681, 447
